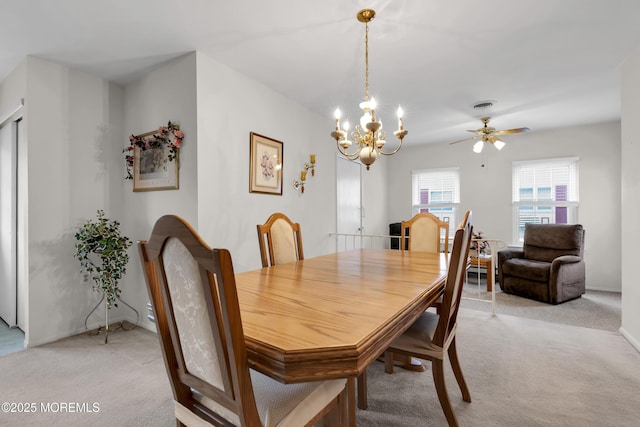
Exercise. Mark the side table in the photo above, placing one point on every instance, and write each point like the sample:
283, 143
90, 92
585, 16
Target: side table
485, 261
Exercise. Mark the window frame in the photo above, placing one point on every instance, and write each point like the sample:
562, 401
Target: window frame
453, 205
571, 193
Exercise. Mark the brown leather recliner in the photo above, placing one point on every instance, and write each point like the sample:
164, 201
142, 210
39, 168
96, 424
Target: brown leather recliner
549, 268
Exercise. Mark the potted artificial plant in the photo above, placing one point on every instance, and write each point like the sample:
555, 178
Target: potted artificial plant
102, 252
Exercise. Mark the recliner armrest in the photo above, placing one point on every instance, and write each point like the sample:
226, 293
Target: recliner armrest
506, 254
566, 278
564, 259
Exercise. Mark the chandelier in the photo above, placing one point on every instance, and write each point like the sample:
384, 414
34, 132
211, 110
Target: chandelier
369, 136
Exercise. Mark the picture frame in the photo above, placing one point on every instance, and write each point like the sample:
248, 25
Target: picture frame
151, 169
265, 165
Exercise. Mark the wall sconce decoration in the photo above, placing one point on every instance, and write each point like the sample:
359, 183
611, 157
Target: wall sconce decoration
311, 165
299, 184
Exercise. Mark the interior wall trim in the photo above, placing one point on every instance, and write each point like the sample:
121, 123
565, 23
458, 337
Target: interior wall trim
630, 338
13, 111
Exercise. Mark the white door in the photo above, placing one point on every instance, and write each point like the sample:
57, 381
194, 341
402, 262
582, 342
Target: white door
8, 238
349, 203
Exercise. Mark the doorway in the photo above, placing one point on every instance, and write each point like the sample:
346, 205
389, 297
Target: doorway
349, 204
10, 295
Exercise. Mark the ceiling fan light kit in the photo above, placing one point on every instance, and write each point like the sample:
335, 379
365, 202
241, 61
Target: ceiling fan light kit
489, 134
368, 134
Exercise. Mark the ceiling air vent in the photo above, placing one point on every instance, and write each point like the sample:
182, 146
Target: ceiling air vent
483, 105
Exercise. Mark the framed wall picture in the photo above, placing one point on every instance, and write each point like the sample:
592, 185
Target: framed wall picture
265, 165
152, 169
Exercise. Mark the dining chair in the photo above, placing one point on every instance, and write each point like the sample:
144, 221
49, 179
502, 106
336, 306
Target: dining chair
193, 292
425, 232
433, 336
280, 240
436, 305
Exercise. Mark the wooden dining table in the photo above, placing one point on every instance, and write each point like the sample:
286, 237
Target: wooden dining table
330, 316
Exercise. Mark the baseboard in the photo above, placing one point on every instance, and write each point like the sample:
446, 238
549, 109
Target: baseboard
91, 325
615, 291
634, 342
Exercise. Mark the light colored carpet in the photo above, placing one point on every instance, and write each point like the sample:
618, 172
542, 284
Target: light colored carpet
594, 309
126, 378
521, 372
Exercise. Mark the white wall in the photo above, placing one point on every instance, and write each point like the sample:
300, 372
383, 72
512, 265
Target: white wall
487, 190
167, 93
13, 88
230, 106
63, 164
77, 126
217, 108
630, 199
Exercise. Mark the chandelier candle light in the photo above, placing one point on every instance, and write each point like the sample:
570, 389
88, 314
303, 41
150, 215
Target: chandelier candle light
368, 135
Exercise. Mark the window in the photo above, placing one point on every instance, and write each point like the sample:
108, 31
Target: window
437, 191
544, 192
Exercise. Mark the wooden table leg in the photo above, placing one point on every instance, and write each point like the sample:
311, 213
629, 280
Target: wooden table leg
362, 390
351, 391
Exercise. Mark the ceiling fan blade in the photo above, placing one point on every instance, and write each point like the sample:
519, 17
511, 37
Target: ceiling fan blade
478, 131
508, 131
466, 139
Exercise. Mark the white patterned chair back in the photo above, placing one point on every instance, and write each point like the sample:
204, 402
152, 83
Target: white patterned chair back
195, 302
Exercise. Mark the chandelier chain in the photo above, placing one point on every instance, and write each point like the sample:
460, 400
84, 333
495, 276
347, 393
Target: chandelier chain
366, 62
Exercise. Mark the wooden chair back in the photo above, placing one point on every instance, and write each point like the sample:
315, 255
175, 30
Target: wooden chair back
193, 292
425, 233
453, 286
280, 240
465, 218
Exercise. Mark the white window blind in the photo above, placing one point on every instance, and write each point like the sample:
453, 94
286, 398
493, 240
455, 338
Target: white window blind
437, 191
544, 192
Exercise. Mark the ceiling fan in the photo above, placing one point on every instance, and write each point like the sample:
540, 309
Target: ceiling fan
489, 134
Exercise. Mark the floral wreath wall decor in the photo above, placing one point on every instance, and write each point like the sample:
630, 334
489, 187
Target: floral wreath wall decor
152, 158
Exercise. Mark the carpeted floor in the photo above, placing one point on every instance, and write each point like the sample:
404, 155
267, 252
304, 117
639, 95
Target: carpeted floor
123, 383
520, 371
594, 309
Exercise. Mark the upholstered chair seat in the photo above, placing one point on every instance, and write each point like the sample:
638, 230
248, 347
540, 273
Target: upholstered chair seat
278, 404
528, 269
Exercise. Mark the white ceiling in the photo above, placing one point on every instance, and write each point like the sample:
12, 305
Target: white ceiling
547, 63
